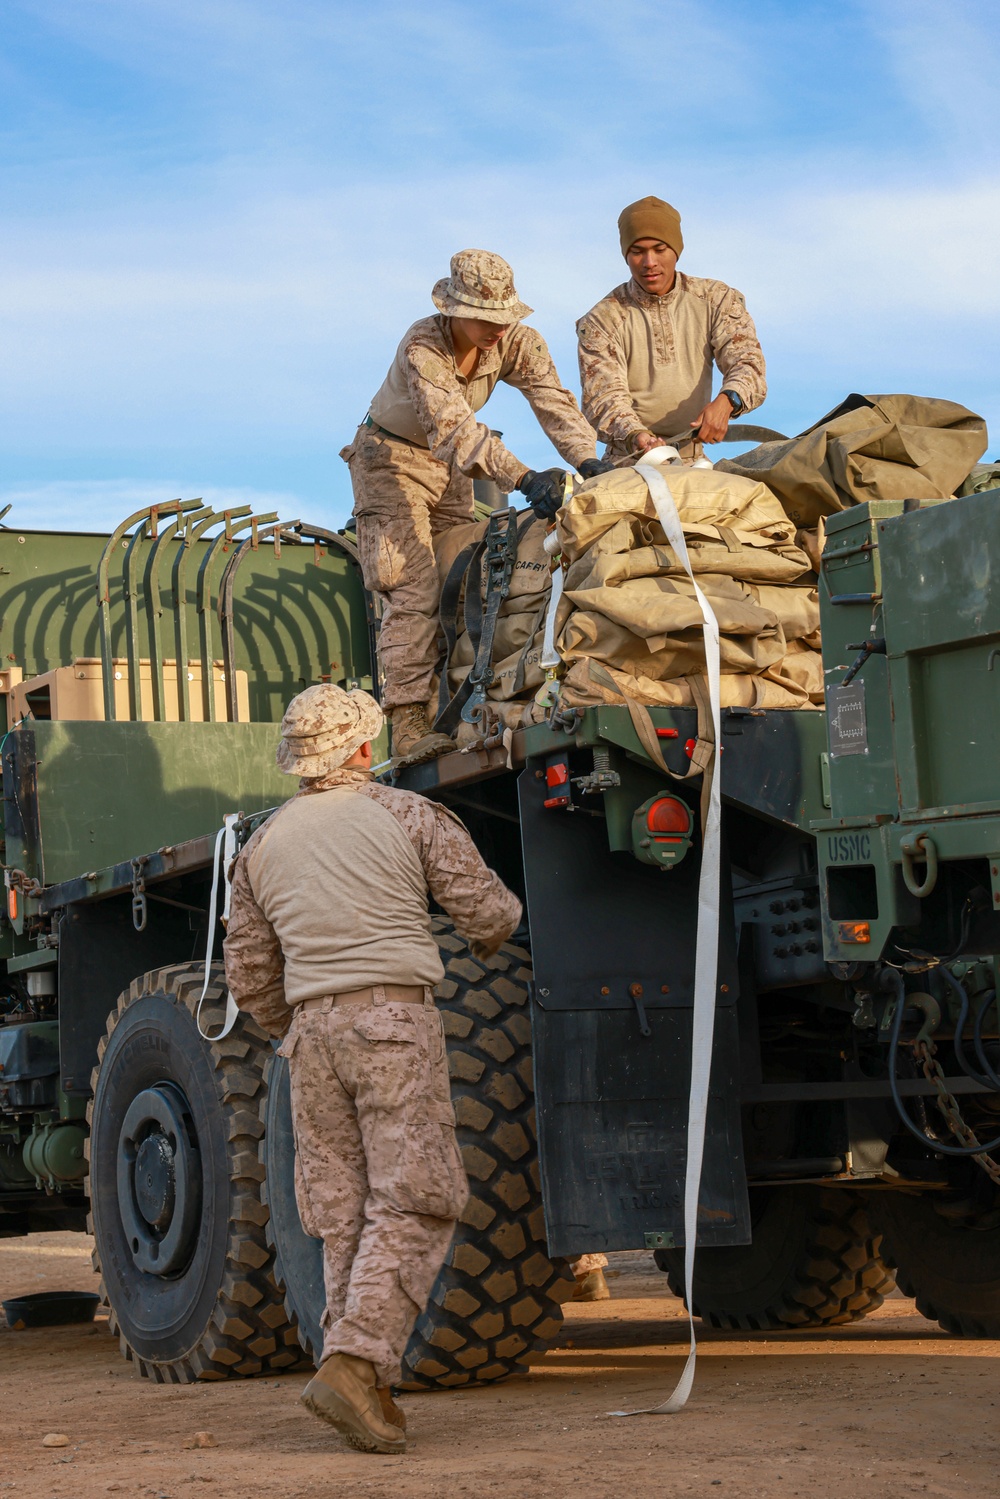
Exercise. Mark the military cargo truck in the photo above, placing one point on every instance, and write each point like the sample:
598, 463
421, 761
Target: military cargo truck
855, 1085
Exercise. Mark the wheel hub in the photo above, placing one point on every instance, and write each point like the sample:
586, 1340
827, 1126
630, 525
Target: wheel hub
159, 1180
155, 1193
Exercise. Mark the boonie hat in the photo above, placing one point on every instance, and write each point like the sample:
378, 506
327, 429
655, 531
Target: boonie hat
322, 728
481, 285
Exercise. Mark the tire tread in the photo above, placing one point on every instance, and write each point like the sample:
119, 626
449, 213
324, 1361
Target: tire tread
840, 1278
250, 1315
497, 1301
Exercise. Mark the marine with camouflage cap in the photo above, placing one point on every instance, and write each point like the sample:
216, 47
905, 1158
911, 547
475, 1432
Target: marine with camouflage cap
329, 945
647, 348
419, 448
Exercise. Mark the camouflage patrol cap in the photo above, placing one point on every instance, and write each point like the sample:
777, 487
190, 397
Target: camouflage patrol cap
481, 285
322, 728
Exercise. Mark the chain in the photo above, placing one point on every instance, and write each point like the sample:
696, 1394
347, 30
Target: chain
924, 1052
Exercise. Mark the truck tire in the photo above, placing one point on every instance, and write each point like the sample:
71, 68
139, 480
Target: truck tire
951, 1269
814, 1262
175, 1188
497, 1300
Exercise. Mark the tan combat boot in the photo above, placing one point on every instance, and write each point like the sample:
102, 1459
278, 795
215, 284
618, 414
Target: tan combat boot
591, 1287
413, 739
343, 1393
393, 1413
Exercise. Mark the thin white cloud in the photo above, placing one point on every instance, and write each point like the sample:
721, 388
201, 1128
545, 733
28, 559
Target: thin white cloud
216, 286
266, 319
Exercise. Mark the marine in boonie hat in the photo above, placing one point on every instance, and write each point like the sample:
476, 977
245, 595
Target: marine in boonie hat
323, 727
481, 286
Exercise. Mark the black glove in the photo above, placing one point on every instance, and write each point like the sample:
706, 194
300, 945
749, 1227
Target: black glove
544, 491
591, 467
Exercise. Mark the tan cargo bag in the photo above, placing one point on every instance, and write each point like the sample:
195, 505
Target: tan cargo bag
869, 448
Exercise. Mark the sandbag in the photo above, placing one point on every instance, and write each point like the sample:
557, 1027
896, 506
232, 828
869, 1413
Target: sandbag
628, 608
984, 477
753, 562
591, 636
517, 641
800, 669
530, 575
587, 684
513, 677
723, 518
869, 448
512, 634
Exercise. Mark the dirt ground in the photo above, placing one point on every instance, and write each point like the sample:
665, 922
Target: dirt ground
889, 1407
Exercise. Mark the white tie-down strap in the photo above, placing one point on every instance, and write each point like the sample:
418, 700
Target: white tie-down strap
550, 546
550, 656
225, 844
706, 966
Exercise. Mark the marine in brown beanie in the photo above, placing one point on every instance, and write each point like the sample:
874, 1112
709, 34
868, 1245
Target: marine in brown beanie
647, 349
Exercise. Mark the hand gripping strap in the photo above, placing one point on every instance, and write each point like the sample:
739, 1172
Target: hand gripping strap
706, 964
225, 843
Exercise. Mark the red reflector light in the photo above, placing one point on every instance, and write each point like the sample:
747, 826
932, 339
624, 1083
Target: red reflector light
12, 904
557, 786
669, 815
667, 734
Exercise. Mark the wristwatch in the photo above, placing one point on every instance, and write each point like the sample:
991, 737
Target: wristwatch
735, 401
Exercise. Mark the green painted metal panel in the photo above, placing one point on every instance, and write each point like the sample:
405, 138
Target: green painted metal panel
941, 574
865, 783
109, 792
942, 613
772, 762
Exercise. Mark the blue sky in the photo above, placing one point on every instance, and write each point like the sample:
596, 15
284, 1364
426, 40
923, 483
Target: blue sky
221, 215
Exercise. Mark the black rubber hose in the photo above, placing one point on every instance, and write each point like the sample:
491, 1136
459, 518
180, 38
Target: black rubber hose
937, 1146
977, 1037
963, 1015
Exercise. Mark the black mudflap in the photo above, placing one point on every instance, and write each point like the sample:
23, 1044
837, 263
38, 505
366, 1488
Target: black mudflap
613, 950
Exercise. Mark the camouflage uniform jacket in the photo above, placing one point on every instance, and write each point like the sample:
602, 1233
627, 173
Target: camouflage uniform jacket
476, 899
646, 361
425, 400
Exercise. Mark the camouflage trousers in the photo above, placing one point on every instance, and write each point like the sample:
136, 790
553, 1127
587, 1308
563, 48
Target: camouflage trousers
584, 1263
378, 1173
403, 500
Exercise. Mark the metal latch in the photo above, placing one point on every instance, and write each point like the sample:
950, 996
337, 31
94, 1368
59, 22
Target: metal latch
501, 554
602, 777
139, 893
635, 995
866, 649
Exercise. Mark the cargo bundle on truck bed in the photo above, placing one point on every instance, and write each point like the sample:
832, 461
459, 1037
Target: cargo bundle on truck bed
855, 1067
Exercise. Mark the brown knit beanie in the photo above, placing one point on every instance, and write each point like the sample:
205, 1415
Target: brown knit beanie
650, 218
